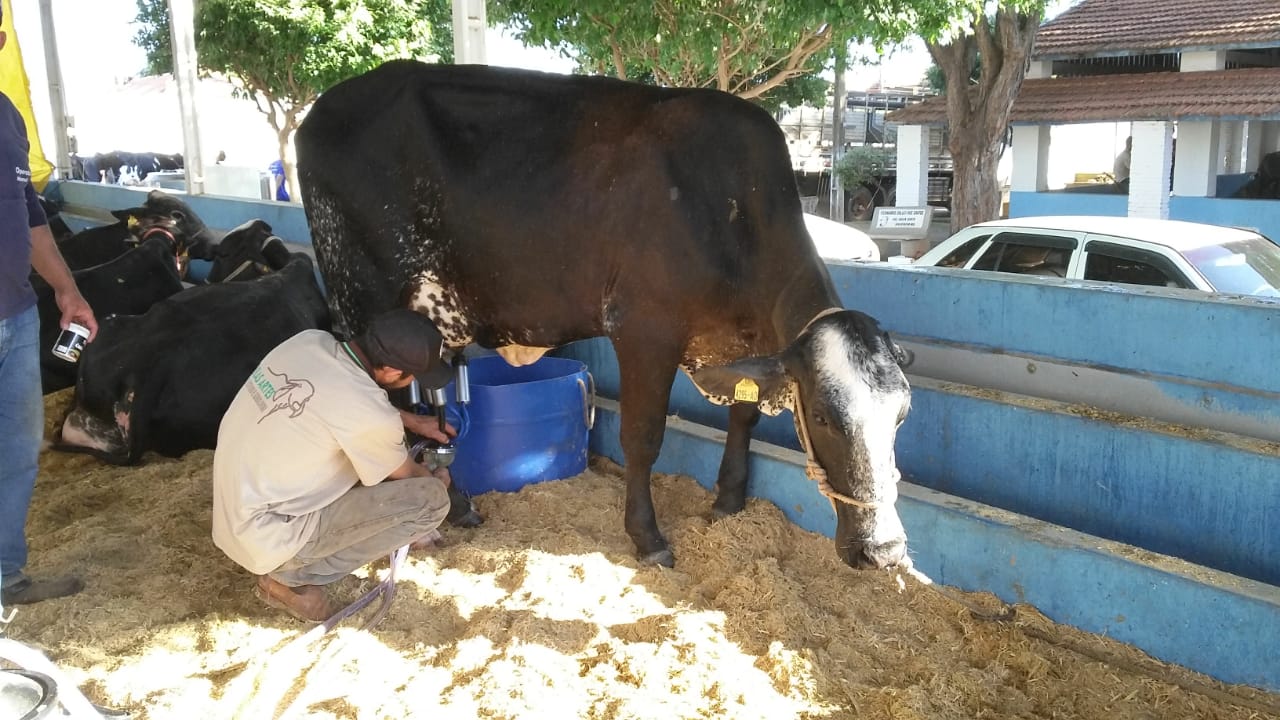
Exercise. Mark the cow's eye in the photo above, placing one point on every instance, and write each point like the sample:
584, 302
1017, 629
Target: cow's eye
820, 419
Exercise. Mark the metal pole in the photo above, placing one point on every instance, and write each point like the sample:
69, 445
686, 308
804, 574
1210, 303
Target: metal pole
57, 95
182, 26
469, 21
837, 138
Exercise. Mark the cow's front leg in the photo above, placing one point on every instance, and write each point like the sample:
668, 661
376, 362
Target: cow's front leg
732, 480
646, 372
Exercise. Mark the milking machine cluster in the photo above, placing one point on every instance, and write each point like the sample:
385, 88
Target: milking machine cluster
437, 403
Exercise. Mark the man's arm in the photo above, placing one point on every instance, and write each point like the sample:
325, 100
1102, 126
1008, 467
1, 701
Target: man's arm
47, 261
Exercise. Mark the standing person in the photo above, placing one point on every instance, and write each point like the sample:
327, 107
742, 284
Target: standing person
281, 189
1120, 169
311, 477
26, 242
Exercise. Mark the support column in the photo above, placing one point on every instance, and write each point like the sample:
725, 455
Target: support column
1231, 145
913, 166
1030, 158
1195, 169
1152, 161
1270, 136
1252, 144
469, 20
182, 16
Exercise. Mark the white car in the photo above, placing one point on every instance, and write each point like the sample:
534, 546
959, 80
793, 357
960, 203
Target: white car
1134, 251
837, 241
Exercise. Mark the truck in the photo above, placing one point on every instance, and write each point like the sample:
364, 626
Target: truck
810, 139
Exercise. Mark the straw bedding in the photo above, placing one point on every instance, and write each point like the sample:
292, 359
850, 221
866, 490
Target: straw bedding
543, 612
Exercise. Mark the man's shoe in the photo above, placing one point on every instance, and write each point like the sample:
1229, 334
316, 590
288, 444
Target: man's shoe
428, 543
27, 590
305, 602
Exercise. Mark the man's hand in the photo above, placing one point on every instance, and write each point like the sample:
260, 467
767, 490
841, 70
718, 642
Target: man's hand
427, 426
76, 310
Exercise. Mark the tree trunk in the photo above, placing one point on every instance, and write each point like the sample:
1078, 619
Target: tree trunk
978, 113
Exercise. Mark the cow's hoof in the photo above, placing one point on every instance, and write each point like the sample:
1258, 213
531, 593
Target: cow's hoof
720, 512
662, 557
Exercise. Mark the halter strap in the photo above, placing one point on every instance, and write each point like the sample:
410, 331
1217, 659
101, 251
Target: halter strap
811, 466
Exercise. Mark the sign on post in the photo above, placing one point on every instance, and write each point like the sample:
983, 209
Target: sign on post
908, 225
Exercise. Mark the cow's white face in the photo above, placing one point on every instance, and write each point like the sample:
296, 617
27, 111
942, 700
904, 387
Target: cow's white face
847, 375
854, 399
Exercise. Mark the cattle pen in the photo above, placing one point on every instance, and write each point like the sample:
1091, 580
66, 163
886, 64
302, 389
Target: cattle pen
1076, 478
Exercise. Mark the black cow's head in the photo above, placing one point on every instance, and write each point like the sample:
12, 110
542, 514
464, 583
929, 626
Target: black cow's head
166, 212
247, 252
843, 377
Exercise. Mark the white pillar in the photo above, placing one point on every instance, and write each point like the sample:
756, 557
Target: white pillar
1231, 145
1152, 160
1252, 145
57, 97
1030, 158
1195, 169
469, 19
913, 166
182, 16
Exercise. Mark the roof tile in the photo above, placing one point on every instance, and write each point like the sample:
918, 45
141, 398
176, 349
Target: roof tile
1110, 26
1228, 94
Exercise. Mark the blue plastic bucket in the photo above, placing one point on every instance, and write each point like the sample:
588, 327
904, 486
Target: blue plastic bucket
526, 424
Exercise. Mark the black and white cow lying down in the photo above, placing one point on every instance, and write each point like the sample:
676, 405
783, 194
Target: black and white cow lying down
522, 211
162, 380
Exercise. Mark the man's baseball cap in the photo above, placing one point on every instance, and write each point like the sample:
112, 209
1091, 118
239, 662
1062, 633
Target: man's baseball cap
408, 341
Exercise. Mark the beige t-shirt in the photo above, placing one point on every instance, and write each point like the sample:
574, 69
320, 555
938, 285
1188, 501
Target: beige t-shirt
305, 426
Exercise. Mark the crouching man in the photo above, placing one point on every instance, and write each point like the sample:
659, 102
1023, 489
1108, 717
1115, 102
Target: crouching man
311, 476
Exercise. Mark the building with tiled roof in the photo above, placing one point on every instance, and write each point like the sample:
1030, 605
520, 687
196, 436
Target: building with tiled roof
1208, 73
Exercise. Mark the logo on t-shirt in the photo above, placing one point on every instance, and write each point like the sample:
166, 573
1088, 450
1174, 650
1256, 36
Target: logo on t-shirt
280, 392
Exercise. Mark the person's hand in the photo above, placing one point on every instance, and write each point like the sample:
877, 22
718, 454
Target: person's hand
76, 310
428, 426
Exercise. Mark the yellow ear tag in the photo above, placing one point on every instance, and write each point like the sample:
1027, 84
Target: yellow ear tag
133, 222
746, 391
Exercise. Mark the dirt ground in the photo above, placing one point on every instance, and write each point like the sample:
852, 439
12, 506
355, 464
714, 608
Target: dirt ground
543, 612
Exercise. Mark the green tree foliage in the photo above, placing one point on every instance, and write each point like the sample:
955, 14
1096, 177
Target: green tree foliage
765, 51
283, 53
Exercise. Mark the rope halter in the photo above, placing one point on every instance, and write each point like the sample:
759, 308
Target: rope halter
811, 467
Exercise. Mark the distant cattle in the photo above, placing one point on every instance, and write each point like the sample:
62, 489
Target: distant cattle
97, 245
161, 381
522, 211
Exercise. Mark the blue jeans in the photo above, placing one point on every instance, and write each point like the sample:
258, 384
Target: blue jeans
21, 430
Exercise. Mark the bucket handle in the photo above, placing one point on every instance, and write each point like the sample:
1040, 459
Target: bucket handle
588, 401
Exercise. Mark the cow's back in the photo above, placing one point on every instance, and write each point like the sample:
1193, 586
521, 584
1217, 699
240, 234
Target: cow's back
548, 206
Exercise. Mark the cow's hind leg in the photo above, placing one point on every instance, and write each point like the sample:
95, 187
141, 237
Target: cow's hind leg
732, 480
647, 370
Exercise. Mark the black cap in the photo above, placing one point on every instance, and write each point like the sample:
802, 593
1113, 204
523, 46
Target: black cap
407, 341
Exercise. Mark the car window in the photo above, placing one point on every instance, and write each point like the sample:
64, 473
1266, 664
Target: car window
1028, 254
1133, 266
1249, 267
960, 256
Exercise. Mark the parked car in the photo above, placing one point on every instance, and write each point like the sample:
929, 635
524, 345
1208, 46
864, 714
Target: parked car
837, 241
1133, 251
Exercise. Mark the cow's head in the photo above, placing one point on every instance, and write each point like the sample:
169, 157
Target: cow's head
247, 252
168, 213
843, 377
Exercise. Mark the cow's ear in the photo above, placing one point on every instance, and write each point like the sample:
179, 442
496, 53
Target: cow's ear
746, 380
